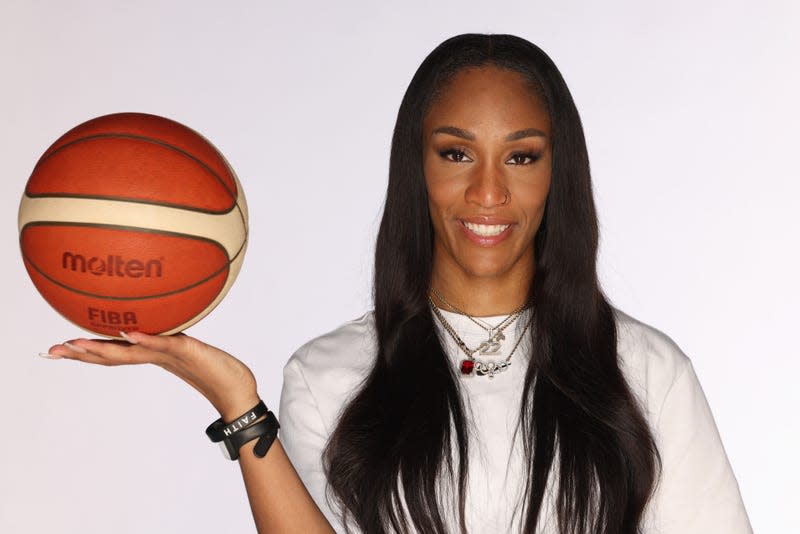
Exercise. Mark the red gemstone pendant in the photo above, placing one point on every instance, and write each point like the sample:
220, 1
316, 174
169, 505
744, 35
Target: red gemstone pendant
467, 366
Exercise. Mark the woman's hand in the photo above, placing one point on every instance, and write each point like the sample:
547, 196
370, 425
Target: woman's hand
225, 381
279, 499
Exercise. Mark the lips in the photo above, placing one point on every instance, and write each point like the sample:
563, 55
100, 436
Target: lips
486, 232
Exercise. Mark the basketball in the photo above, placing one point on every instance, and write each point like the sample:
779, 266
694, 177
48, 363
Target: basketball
133, 222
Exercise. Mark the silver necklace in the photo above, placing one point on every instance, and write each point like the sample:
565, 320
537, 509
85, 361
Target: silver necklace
470, 364
492, 345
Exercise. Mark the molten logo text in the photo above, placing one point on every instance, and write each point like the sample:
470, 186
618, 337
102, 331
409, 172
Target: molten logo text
112, 265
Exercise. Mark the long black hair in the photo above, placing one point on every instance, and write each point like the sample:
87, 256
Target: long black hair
392, 445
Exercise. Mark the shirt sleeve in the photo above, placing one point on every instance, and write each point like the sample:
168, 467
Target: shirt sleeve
697, 492
303, 436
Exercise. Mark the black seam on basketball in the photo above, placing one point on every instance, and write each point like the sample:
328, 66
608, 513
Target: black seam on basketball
119, 227
125, 299
133, 201
112, 135
125, 227
244, 225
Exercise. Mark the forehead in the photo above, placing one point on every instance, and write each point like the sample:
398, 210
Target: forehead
488, 96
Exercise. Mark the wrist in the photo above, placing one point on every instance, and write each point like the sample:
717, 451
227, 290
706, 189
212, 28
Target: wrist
257, 423
234, 407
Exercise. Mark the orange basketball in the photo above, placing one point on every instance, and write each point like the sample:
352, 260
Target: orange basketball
133, 222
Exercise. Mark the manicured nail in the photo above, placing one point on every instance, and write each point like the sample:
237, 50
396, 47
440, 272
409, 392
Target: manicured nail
49, 356
74, 348
127, 338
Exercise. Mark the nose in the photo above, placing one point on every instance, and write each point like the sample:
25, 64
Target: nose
487, 187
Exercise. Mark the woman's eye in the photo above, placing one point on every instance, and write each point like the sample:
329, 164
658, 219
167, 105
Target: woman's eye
523, 158
455, 155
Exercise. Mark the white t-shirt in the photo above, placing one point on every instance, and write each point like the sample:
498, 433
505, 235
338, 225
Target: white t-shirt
697, 492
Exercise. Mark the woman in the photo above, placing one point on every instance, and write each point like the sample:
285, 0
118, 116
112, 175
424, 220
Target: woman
493, 389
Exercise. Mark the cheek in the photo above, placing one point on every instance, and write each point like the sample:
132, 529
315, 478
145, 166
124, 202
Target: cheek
533, 197
442, 195
440, 207
438, 211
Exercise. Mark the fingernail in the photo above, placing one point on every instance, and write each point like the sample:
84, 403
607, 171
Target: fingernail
74, 348
127, 338
49, 356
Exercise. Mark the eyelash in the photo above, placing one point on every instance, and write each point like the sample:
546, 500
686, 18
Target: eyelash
454, 151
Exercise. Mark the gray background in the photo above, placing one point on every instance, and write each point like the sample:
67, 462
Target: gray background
690, 110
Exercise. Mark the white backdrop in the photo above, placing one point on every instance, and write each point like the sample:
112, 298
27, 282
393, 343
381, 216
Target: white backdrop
691, 114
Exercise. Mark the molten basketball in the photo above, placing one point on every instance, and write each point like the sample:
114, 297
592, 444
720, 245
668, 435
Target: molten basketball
133, 222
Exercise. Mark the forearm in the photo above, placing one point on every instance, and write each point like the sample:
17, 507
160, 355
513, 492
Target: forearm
279, 499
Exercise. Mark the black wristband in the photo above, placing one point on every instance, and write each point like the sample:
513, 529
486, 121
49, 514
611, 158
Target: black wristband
218, 430
266, 430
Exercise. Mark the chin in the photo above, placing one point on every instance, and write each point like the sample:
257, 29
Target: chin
484, 269
488, 265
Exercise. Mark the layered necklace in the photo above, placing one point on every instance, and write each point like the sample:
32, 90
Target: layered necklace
490, 347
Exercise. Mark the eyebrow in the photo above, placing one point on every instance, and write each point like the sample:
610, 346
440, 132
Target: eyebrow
528, 132
452, 130
465, 134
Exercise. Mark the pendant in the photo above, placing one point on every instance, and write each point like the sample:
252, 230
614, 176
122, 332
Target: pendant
492, 345
491, 368
483, 368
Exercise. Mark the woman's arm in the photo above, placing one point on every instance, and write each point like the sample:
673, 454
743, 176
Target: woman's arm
698, 492
279, 500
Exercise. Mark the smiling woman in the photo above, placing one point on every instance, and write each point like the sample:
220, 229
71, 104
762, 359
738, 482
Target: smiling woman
494, 388
487, 186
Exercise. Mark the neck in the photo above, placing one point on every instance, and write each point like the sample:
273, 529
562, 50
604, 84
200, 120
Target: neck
482, 297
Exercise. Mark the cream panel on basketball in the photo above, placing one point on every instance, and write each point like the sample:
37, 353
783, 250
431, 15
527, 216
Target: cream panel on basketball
241, 201
234, 267
229, 229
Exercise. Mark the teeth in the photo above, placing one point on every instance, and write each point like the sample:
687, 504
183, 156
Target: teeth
486, 230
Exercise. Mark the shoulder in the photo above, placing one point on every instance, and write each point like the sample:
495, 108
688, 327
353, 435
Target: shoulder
651, 361
331, 368
347, 349
697, 490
